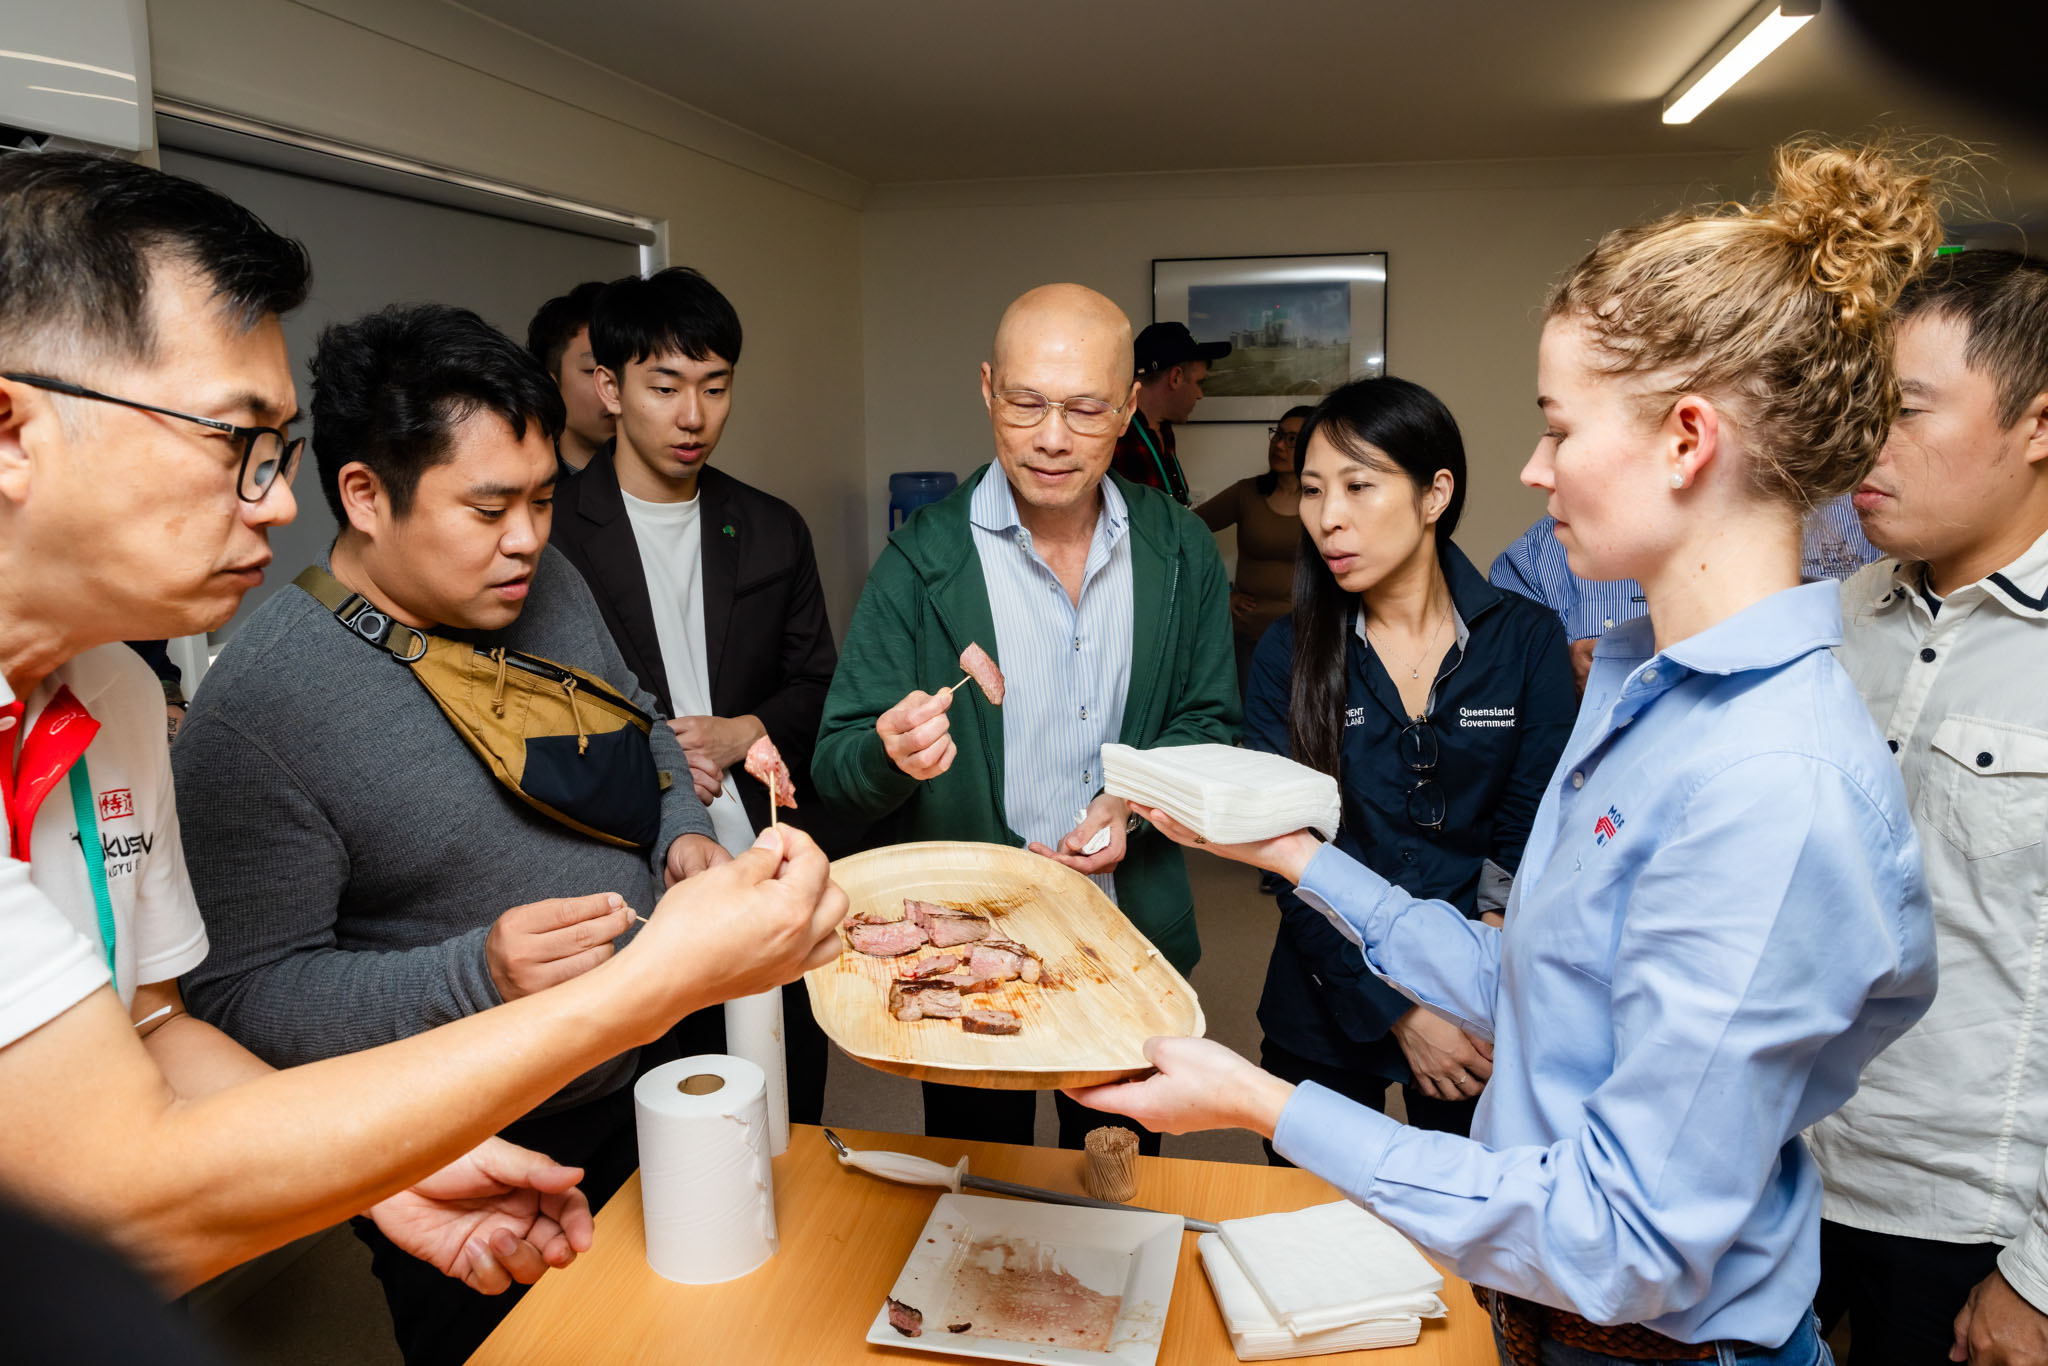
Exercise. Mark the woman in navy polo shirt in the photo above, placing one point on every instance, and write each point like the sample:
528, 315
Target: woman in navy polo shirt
1441, 705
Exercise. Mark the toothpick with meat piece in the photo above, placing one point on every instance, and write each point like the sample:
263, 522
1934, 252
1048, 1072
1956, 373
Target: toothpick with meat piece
983, 671
764, 762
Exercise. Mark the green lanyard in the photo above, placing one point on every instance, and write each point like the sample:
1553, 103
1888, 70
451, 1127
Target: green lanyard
95, 854
1159, 461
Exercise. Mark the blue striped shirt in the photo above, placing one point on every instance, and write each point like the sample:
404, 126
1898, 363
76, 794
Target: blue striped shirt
1535, 567
1067, 667
1720, 917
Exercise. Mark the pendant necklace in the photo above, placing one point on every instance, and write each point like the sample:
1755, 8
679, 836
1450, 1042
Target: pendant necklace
1415, 669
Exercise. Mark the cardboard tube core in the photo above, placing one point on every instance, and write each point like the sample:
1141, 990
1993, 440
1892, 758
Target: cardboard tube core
702, 1084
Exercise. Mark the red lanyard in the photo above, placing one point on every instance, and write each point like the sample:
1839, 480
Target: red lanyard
59, 737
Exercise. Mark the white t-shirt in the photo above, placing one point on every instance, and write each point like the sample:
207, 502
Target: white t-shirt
51, 953
672, 559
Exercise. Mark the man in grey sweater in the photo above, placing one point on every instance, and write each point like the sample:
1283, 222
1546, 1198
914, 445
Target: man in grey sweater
362, 874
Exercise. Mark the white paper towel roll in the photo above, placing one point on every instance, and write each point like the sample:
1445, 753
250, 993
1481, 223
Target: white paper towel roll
706, 1188
753, 1030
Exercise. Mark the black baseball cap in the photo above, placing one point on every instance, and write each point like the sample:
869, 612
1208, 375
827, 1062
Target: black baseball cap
1163, 345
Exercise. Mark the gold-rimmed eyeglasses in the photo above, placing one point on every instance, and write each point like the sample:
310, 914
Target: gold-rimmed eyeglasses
1084, 416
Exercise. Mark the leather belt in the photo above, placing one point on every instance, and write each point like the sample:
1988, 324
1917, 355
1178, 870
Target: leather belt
1524, 1325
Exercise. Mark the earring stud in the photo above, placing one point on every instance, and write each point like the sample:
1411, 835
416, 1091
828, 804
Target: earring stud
1678, 481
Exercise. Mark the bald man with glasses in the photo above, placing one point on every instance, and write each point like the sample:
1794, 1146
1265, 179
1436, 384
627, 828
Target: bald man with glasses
1107, 608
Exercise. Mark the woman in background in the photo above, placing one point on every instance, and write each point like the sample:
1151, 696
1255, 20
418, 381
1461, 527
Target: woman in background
1440, 704
1720, 915
1263, 509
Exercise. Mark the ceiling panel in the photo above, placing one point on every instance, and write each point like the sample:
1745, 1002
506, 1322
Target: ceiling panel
897, 91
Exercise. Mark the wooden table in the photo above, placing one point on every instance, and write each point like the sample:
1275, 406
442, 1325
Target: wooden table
844, 1237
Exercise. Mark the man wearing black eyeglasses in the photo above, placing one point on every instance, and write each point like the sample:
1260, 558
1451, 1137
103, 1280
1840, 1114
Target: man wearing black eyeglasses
1106, 608
146, 405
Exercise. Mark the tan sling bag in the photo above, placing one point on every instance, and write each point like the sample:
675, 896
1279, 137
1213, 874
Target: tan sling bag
565, 741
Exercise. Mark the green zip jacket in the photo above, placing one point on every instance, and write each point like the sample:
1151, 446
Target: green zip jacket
925, 600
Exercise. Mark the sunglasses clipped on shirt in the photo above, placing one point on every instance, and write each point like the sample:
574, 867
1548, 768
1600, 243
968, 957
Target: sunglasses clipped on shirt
266, 453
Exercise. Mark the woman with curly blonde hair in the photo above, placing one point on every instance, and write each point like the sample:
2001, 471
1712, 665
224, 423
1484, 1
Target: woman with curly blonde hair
1719, 915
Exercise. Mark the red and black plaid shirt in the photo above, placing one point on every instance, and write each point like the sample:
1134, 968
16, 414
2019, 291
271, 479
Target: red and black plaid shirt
1146, 457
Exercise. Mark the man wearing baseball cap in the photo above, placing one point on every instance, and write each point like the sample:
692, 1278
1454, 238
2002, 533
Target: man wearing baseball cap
1171, 366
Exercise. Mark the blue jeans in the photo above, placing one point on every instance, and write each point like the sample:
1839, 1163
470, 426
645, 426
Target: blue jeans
1803, 1348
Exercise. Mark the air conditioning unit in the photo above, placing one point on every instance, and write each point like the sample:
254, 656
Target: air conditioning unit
75, 73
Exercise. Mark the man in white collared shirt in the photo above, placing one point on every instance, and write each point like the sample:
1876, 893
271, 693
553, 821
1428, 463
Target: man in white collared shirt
1937, 1202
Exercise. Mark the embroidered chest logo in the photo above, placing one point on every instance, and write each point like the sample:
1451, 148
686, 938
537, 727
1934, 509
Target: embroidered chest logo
116, 803
1354, 716
1607, 827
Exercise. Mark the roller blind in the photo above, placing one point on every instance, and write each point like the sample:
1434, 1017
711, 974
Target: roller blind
375, 247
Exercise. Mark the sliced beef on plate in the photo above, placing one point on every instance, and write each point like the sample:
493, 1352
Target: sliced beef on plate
1003, 959
884, 938
904, 1319
933, 1000
990, 1022
947, 925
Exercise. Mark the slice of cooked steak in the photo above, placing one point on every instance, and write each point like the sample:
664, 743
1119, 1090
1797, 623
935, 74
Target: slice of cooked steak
765, 763
924, 1001
967, 983
931, 967
983, 670
884, 938
904, 1319
993, 963
990, 1022
1004, 959
947, 925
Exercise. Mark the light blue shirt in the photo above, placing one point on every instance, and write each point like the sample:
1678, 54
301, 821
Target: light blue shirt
1719, 919
1067, 667
1535, 567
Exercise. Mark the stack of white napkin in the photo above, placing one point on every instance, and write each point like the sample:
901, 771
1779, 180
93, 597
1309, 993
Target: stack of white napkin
1225, 794
1330, 1278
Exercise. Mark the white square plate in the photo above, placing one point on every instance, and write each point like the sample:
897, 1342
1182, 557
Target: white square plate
1112, 1252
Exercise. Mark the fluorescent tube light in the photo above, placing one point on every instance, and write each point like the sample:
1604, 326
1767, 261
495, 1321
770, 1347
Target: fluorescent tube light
1736, 55
75, 66
82, 94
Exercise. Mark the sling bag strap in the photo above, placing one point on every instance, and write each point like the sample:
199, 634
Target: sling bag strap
561, 739
354, 611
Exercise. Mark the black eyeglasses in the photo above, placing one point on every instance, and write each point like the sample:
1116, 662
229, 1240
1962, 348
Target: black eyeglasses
1418, 749
1280, 436
267, 454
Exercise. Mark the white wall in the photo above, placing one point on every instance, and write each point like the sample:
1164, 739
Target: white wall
1471, 250
787, 257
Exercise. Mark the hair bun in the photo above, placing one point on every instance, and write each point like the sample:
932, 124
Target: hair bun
1867, 218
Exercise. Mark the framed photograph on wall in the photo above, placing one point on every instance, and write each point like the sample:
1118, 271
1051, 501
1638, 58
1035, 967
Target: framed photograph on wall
1298, 326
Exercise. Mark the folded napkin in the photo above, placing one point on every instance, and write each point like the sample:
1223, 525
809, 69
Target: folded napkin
1225, 794
1256, 1336
1329, 1266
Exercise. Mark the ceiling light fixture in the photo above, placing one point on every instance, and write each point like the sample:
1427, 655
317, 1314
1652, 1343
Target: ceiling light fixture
1736, 55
